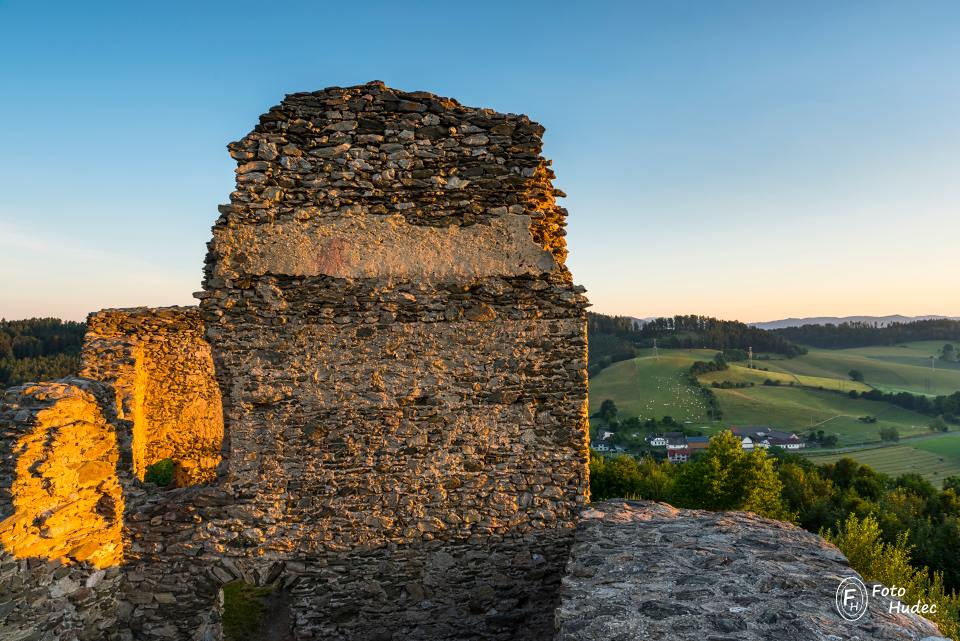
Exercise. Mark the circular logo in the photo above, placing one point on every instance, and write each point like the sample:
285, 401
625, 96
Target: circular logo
852, 599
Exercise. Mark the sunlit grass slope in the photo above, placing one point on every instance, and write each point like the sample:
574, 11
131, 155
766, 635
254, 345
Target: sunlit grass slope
650, 387
934, 459
893, 369
800, 410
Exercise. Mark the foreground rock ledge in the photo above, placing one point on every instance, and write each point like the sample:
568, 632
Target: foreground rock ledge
643, 570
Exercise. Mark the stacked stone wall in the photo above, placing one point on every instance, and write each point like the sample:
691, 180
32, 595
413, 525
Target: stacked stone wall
60, 513
159, 366
403, 359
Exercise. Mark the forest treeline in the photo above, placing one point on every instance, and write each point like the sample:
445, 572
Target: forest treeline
616, 338
862, 334
39, 349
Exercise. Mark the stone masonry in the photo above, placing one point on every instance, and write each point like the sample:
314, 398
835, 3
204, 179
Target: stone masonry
62, 506
158, 363
402, 356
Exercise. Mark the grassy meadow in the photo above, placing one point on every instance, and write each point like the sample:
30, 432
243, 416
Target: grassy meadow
935, 458
806, 398
905, 368
800, 410
649, 387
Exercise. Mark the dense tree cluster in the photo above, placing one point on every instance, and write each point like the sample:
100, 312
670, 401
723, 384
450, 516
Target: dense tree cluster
39, 349
616, 338
946, 406
860, 334
861, 540
623, 326
604, 350
790, 487
703, 331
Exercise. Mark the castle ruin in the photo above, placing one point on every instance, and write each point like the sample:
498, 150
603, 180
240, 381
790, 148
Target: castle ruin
378, 410
400, 356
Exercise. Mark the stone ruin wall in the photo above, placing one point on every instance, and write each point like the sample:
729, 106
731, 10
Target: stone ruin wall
402, 356
159, 365
61, 506
403, 361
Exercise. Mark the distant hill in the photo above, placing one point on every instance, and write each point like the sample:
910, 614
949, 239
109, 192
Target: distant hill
616, 338
881, 321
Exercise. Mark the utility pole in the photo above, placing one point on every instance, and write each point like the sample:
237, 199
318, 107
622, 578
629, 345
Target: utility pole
933, 363
656, 353
750, 356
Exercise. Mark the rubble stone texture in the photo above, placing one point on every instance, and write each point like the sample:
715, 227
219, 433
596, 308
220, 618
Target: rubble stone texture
61, 506
403, 359
642, 570
159, 365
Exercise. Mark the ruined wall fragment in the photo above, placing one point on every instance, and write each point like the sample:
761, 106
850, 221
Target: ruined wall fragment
403, 360
61, 509
159, 366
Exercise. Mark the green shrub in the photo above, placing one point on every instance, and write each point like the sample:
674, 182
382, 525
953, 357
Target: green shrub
889, 564
160, 473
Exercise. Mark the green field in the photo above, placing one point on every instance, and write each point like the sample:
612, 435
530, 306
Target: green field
650, 387
800, 410
805, 399
904, 368
741, 374
934, 459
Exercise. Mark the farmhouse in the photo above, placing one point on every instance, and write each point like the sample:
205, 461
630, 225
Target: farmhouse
763, 437
657, 440
679, 454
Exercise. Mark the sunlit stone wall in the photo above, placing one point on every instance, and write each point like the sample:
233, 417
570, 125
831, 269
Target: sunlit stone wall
403, 360
61, 511
159, 366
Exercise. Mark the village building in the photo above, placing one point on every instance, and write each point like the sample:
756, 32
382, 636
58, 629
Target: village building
752, 438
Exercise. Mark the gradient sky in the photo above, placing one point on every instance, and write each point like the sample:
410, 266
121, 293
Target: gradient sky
748, 160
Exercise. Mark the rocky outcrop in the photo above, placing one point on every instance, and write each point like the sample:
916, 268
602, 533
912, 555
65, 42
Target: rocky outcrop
642, 570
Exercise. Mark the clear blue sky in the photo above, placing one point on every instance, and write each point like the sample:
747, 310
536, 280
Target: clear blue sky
748, 160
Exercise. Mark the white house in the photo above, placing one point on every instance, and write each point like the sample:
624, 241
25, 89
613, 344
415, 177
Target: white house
763, 438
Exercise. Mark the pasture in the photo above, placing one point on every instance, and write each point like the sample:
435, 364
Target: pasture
905, 368
935, 459
800, 410
648, 387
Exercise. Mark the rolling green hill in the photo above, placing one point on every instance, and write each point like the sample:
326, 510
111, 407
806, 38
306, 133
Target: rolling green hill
741, 374
890, 369
648, 387
800, 410
806, 398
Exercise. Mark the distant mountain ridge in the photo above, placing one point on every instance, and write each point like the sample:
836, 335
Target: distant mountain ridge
836, 320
